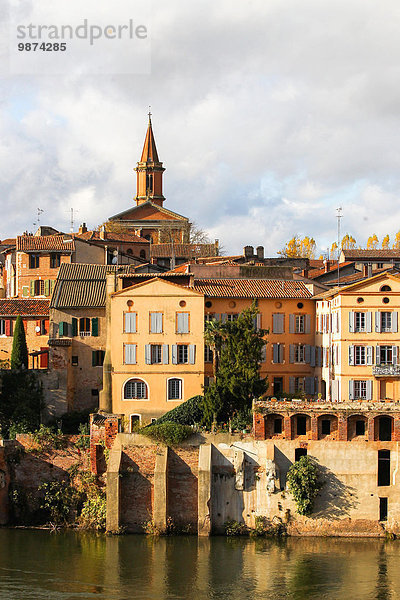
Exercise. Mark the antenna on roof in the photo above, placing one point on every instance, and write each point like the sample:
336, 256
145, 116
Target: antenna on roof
72, 210
338, 216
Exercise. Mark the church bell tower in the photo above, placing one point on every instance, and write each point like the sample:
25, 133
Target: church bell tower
149, 172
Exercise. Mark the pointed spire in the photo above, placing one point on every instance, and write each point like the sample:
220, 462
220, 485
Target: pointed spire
149, 153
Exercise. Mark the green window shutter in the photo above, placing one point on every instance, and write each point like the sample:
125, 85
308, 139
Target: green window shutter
32, 286
94, 358
52, 284
74, 326
47, 287
61, 329
95, 326
102, 355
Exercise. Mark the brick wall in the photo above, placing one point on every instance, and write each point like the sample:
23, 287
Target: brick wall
137, 486
183, 487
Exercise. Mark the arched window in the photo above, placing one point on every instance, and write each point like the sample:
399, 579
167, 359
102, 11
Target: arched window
142, 254
174, 389
386, 288
135, 389
129, 251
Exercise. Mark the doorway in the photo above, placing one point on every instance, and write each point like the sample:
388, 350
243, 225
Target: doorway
383, 509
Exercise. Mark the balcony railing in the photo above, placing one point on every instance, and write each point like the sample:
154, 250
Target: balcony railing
386, 370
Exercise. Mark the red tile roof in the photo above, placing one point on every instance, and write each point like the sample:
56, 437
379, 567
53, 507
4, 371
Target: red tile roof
379, 253
94, 236
30, 243
252, 288
182, 250
25, 308
332, 267
8, 242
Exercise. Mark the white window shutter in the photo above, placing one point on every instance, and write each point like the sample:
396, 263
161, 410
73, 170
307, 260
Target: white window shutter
291, 323
370, 352
394, 321
368, 322
338, 322
377, 356
369, 390
394, 354
378, 322
258, 321
192, 354
351, 389
351, 322
174, 353
147, 354
291, 353
130, 322
165, 354
351, 355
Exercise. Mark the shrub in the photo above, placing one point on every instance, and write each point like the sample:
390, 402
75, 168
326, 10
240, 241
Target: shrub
242, 420
83, 441
171, 434
234, 528
187, 413
47, 439
57, 501
71, 421
304, 484
94, 511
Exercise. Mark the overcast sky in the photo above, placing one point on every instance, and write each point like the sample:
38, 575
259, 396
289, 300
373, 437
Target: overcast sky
268, 115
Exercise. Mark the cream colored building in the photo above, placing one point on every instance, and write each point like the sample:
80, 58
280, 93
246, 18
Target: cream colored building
157, 348
357, 333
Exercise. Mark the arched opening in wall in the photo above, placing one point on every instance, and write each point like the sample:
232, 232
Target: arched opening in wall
357, 427
142, 254
300, 425
134, 422
383, 427
385, 288
129, 251
327, 426
135, 389
273, 425
323, 389
299, 452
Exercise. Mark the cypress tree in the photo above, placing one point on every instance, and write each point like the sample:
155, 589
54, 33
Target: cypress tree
19, 353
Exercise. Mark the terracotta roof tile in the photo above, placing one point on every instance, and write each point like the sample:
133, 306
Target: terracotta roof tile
94, 236
25, 308
368, 254
252, 288
30, 243
182, 250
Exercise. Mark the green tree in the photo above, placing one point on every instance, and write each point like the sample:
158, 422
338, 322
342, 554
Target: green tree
21, 401
237, 378
304, 484
19, 353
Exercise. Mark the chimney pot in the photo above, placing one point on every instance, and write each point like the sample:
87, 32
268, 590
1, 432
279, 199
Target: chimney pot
248, 251
260, 252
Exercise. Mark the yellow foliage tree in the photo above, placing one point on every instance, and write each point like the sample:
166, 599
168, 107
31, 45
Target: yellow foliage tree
372, 242
385, 242
333, 249
348, 242
396, 245
299, 248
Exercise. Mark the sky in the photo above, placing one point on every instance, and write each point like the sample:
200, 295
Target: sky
268, 116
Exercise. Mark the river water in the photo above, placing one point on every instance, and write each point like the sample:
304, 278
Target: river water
76, 566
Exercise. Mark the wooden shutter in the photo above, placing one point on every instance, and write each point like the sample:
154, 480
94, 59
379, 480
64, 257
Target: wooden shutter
291, 323
192, 354
351, 355
52, 285
47, 287
278, 323
291, 385
217, 317
44, 359
281, 352
264, 353
377, 356
291, 353
308, 323
335, 390
309, 385
130, 323
165, 354
378, 322
312, 358
74, 326
130, 354
370, 355
147, 354
368, 322
94, 358
258, 321
351, 322
394, 321
319, 356
8, 327
307, 353
369, 390
174, 353
351, 389
182, 322
95, 326
32, 287
275, 353
394, 354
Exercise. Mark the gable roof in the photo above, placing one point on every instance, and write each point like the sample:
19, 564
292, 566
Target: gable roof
25, 308
80, 285
384, 274
111, 236
134, 213
182, 250
183, 288
252, 288
379, 253
57, 243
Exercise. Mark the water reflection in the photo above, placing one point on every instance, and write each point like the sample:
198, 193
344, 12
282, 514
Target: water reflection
70, 565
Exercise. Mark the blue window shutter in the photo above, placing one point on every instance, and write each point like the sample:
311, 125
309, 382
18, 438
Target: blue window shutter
378, 322
312, 359
174, 352
307, 353
192, 354
308, 323
369, 390
351, 389
74, 326
275, 328
291, 385
394, 321
217, 317
165, 354
291, 323
319, 356
147, 354
368, 322
291, 353
95, 326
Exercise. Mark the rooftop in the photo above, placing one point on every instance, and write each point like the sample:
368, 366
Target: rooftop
182, 250
56, 243
25, 308
252, 288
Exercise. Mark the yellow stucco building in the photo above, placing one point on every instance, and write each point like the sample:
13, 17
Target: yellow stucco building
157, 348
358, 338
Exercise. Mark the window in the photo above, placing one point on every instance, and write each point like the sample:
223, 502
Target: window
299, 323
149, 183
209, 317
130, 354
135, 422
130, 322
97, 358
299, 355
359, 321
383, 509
34, 261
360, 389
360, 427
325, 426
183, 354
142, 254
156, 322
380, 266
386, 321
174, 389
383, 467
94, 392
38, 287
298, 384
182, 322
84, 326
299, 452
232, 316
278, 386
135, 389
385, 355
360, 355
278, 425
55, 260
6, 327
74, 361
208, 354
156, 357
386, 288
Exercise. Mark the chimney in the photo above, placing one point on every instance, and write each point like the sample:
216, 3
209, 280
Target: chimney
260, 253
103, 232
327, 265
248, 252
83, 228
369, 270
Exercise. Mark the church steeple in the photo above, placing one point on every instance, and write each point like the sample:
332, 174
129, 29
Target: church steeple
149, 172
